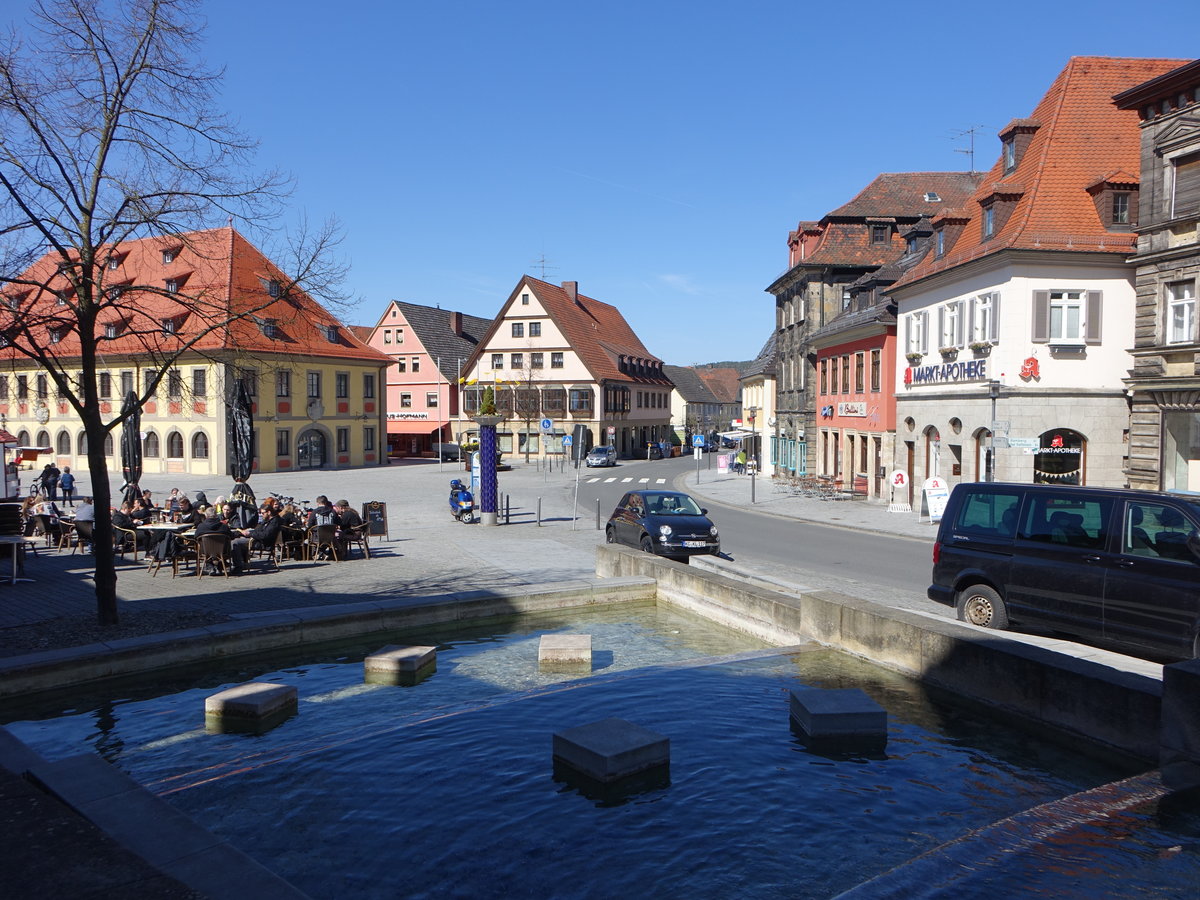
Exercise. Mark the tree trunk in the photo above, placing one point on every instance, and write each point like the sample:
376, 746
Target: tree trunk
104, 558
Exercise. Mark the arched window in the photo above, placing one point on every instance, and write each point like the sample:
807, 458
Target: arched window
200, 446
64, 444
43, 438
150, 446
82, 444
23, 438
174, 445
108, 444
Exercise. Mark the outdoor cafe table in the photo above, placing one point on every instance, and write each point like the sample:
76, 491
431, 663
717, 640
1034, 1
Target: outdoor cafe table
15, 541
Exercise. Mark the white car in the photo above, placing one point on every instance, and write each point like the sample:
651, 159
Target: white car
601, 456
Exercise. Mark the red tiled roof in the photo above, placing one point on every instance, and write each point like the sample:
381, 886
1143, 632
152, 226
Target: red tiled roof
596, 331
902, 194
1081, 138
219, 275
725, 383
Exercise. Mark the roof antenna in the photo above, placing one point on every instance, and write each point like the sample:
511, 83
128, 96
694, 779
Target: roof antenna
971, 150
540, 263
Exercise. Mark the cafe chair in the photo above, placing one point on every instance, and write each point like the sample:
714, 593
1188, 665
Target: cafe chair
273, 551
124, 539
321, 538
360, 535
48, 528
82, 535
216, 549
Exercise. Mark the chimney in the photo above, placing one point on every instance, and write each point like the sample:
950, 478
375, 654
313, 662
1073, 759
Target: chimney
456, 323
572, 289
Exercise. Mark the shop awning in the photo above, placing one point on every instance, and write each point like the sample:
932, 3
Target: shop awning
738, 435
422, 427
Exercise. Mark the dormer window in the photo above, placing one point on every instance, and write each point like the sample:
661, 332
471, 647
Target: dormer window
112, 330
910, 244
55, 335
273, 288
1120, 208
114, 292
170, 326
1116, 199
989, 221
1009, 152
168, 256
331, 333
1014, 141
879, 234
269, 328
172, 285
114, 262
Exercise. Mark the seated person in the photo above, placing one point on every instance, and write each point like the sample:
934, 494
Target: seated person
290, 517
142, 512
123, 518
347, 519
188, 514
86, 511
323, 514
213, 524
264, 535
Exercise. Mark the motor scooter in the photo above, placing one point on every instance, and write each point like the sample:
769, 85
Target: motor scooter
462, 504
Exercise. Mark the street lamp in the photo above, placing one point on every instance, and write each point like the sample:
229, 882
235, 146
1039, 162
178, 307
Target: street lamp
993, 393
753, 456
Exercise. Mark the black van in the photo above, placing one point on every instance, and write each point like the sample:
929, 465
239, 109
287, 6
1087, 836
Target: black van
1107, 565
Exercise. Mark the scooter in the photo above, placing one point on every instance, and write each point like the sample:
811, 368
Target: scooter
462, 504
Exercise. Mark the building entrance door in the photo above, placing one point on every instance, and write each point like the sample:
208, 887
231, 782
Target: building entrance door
310, 450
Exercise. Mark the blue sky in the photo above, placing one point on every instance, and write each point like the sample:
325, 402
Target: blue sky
656, 152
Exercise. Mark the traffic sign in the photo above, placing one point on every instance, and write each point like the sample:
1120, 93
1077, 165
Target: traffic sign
698, 440
1021, 443
1000, 425
567, 440
547, 425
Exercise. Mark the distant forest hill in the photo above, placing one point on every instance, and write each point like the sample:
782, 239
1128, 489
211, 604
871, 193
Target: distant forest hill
741, 366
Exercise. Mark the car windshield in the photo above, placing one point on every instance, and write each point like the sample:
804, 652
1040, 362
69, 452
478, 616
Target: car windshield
672, 505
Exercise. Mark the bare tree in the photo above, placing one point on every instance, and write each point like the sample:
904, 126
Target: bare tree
109, 134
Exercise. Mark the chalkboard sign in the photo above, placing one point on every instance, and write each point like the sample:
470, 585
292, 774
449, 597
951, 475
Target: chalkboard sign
374, 514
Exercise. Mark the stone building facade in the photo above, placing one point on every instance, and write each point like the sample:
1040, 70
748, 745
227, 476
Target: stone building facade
1164, 439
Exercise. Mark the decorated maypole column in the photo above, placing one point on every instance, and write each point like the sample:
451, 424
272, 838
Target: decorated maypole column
487, 421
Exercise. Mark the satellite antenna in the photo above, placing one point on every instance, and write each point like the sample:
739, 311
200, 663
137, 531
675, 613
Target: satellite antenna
970, 151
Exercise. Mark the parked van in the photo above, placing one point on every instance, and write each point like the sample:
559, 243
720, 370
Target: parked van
1108, 565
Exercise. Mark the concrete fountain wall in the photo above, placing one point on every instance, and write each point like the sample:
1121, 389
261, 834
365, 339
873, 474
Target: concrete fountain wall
1118, 711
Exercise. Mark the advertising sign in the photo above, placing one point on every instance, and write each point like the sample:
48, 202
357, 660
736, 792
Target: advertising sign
934, 494
852, 408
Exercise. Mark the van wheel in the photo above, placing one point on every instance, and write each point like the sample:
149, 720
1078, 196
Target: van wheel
982, 606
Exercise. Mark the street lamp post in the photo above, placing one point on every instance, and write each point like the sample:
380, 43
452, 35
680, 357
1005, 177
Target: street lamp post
753, 456
994, 394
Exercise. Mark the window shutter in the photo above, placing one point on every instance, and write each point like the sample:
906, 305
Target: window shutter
971, 317
960, 323
1187, 186
941, 332
925, 331
1041, 317
994, 325
1091, 333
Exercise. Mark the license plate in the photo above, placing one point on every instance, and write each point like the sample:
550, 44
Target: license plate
695, 543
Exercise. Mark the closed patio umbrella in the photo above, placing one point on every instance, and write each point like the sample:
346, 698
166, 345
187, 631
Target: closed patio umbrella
131, 445
241, 434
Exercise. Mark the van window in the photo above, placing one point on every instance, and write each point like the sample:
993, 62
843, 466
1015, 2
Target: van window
988, 514
1067, 519
1155, 530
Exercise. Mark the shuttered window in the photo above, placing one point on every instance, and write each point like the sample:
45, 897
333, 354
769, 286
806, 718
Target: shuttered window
1186, 197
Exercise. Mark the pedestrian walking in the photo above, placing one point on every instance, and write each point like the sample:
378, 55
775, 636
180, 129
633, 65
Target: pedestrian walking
739, 465
50, 479
66, 481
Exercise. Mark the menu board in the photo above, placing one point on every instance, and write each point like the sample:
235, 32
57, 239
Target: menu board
374, 513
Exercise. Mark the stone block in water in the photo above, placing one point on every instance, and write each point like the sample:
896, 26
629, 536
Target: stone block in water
399, 665
254, 707
611, 749
843, 714
565, 651
1179, 736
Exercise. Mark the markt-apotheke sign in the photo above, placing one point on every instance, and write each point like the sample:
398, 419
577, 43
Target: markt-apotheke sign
971, 370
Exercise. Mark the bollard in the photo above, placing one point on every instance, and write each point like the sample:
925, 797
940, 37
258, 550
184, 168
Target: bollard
597, 513
507, 511
539, 512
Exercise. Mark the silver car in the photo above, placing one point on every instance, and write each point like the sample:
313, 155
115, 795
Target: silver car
601, 456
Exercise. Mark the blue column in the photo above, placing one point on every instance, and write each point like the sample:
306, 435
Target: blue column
487, 474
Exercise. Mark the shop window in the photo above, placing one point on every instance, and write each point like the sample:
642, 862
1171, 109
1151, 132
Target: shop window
1059, 459
1181, 312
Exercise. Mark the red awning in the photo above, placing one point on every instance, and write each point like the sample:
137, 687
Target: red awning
421, 427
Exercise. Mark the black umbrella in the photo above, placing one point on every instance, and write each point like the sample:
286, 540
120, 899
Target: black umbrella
131, 445
241, 434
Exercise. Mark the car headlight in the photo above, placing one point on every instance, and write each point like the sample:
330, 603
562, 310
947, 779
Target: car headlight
664, 530
713, 530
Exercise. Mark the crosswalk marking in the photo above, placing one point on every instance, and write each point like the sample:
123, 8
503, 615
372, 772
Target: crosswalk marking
610, 480
643, 481
626, 480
